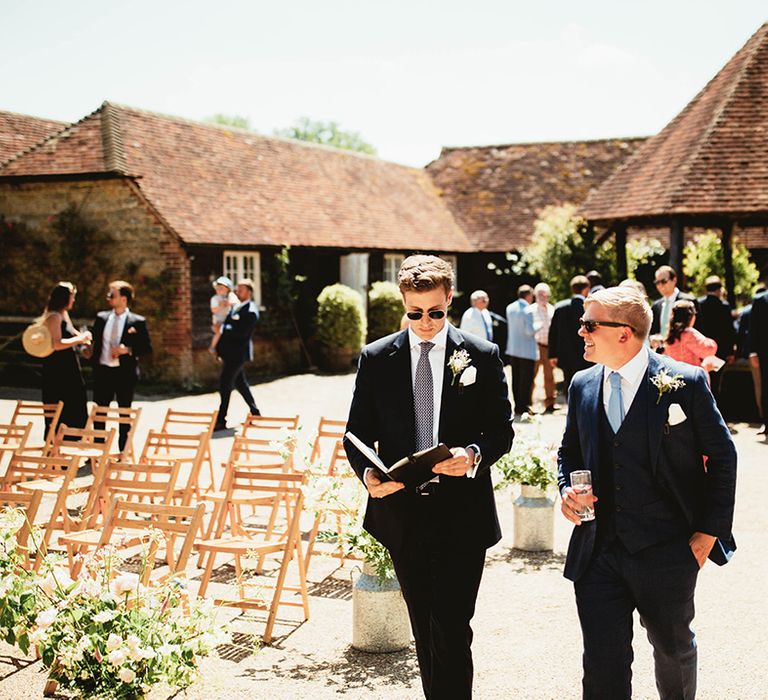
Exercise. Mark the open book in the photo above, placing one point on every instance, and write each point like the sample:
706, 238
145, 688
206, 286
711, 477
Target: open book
413, 470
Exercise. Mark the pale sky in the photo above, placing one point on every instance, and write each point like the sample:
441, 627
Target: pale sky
410, 76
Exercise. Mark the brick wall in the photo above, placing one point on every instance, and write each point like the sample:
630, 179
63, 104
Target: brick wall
144, 249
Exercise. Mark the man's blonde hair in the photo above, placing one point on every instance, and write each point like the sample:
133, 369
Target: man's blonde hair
625, 305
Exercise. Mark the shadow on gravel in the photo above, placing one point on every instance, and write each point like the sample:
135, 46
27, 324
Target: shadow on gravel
354, 672
16, 664
529, 561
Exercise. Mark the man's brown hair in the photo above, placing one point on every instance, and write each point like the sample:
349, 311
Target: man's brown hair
422, 273
579, 284
125, 289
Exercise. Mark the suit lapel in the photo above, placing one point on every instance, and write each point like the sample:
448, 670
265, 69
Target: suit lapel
400, 358
658, 408
450, 394
592, 405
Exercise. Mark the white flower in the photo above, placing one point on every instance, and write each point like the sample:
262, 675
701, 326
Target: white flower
104, 616
88, 587
114, 641
168, 649
665, 382
126, 675
36, 636
58, 577
136, 653
132, 641
458, 362
124, 583
117, 657
46, 618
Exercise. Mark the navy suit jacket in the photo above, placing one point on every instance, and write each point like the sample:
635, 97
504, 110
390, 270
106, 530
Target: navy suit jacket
135, 336
705, 496
382, 413
235, 344
758, 327
565, 344
715, 321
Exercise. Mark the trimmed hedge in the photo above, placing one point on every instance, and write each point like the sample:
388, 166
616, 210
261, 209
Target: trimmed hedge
340, 323
385, 310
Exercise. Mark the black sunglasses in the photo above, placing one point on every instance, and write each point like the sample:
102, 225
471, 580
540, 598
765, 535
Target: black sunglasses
591, 326
435, 314
669, 279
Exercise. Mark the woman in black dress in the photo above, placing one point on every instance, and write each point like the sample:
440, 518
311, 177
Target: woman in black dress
62, 378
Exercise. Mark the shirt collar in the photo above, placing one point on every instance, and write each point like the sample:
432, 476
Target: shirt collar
673, 295
119, 316
439, 340
632, 370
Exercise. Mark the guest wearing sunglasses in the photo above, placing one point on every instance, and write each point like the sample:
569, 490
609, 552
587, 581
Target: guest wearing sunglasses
665, 281
120, 338
427, 384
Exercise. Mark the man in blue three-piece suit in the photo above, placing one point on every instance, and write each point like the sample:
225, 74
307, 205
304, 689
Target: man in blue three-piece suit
663, 469
426, 384
235, 348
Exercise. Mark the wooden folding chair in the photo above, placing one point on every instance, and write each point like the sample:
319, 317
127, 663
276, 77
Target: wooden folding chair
271, 427
338, 468
102, 415
24, 413
13, 438
188, 450
329, 432
193, 423
29, 503
245, 542
129, 524
49, 476
95, 445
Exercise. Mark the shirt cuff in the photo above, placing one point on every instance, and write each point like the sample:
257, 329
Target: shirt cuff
472, 472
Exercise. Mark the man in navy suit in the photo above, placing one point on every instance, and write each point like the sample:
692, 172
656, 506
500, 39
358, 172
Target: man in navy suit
426, 384
235, 348
663, 469
758, 346
565, 346
120, 338
665, 279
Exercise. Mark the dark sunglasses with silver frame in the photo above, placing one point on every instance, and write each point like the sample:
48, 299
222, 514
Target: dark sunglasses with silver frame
435, 314
591, 326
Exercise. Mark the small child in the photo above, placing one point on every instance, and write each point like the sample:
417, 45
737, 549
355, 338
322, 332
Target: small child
221, 303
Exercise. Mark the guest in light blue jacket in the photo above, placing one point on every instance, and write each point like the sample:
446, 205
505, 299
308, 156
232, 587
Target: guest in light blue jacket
522, 350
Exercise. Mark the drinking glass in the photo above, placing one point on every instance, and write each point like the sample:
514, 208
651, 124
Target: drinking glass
581, 483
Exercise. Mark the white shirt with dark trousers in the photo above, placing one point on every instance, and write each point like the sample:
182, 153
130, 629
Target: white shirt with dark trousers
107, 343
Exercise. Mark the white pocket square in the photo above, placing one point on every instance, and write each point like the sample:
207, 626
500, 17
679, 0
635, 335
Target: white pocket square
676, 414
468, 376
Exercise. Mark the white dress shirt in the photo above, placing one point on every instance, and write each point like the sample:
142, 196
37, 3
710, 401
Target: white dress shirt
106, 358
632, 374
477, 322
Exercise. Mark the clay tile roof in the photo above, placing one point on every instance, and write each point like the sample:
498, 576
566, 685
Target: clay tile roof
19, 132
496, 192
712, 158
221, 185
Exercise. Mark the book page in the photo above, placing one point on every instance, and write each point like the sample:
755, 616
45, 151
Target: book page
367, 451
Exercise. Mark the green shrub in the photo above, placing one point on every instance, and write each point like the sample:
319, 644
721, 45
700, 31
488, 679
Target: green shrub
703, 256
340, 324
385, 309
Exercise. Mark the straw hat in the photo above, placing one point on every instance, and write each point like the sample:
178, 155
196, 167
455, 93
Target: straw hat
37, 340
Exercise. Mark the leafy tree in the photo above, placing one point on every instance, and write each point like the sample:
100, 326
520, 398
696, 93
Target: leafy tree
327, 133
230, 120
564, 246
703, 256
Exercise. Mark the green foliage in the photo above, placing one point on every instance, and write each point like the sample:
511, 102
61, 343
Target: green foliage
564, 246
530, 462
327, 133
385, 309
703, 257
230, 120
340, 323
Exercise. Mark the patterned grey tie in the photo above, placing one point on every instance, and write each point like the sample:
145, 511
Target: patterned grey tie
424, 399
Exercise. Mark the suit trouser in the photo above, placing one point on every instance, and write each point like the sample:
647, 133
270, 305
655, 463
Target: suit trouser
118, 383
233, 377
523, 371
440, 579
550, 394
764, 388
659, 583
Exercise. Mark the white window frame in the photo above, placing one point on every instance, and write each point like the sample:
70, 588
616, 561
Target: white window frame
238, 264
392, 264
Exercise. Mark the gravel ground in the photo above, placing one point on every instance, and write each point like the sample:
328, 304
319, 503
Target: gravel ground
527, 640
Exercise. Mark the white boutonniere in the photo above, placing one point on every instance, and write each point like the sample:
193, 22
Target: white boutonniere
666, 383
458, 362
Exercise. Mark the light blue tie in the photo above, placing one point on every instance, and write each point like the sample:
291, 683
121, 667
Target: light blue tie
615, 402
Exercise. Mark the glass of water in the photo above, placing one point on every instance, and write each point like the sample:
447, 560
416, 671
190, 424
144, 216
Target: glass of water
581, 483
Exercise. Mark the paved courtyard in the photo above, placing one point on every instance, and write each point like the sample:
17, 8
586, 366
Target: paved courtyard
527, 639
